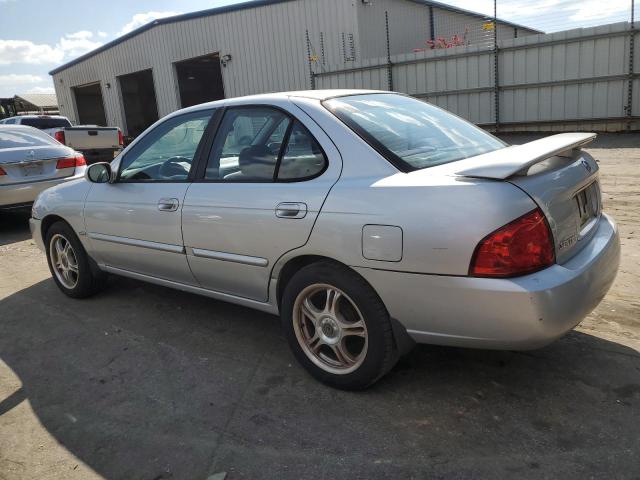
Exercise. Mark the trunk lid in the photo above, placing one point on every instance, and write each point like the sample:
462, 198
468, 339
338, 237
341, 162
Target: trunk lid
560, 177
33, 164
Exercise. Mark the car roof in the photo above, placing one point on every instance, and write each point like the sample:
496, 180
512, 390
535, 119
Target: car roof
37, 116
16, 126
319, 95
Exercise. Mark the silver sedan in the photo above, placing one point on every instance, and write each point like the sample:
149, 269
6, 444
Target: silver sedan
368, 220
31, 161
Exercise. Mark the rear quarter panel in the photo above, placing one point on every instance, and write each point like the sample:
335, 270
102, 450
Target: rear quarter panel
442, 219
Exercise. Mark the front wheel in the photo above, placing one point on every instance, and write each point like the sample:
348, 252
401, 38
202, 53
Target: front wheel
70, 265
337, 326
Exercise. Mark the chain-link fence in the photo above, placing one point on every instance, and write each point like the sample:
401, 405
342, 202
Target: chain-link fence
508, 65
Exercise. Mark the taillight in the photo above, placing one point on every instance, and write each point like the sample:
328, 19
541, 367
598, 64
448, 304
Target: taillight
120, 138
2, 172
59, 136
520, 247
71, 162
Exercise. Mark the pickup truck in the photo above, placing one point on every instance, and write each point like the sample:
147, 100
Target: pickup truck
97, 144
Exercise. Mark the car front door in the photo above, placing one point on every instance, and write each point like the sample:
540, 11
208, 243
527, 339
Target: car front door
266, 178
134, 224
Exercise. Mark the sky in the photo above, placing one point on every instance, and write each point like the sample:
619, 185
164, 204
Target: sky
39, 35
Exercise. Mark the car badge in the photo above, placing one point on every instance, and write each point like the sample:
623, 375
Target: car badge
30, 156
586, 165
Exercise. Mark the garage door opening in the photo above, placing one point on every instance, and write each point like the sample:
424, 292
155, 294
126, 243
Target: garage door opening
90, 105
139, 101
200, 80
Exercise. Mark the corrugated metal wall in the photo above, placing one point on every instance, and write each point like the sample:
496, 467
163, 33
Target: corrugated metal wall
451, 23
267, 44
565, 77
410, 27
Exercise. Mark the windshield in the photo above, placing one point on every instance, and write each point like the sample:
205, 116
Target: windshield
44, 122
23, 137
410, 133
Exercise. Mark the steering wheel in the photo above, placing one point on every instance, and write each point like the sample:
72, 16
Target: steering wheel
174, 167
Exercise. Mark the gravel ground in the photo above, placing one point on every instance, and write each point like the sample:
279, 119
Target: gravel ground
142, 382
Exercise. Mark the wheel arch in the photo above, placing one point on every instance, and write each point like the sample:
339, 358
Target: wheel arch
49, 220
291, 266
403, 342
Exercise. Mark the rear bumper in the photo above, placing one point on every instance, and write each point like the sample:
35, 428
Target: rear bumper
520, 313
23, 194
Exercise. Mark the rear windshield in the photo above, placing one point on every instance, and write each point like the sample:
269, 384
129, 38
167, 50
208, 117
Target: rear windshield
46, 122
23, 137
410, 133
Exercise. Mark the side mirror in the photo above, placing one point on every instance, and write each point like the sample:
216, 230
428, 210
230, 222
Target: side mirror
98, 173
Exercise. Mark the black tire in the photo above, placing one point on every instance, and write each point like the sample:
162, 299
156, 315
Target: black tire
380, 354
90, 279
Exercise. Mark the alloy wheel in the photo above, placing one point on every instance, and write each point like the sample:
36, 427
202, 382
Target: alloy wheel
330, 328
64, 261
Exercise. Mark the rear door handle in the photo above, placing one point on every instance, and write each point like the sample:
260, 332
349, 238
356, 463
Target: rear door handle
291, 210
168, 204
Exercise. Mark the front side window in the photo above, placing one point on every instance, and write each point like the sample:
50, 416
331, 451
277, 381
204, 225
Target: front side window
262, 144
167, 152
410, 133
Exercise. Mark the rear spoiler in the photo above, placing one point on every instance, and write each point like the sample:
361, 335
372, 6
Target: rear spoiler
506, 162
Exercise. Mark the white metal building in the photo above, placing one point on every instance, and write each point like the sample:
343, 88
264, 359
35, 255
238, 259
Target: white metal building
253, 47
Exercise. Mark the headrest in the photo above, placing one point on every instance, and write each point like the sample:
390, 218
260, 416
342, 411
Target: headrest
257, 161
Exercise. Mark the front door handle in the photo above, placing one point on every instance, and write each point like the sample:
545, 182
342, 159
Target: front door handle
168, 204
291, 210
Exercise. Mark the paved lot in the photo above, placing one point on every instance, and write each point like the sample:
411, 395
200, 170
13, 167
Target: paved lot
142, 382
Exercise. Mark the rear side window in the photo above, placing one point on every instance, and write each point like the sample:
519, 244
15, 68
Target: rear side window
263, 144
16, 138
410, 133
302, 158
43, 123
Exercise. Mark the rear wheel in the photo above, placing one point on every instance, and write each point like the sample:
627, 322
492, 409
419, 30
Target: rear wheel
70, 265
337, 326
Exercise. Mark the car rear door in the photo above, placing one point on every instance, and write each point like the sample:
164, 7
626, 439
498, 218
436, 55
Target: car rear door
134, 224
267, 175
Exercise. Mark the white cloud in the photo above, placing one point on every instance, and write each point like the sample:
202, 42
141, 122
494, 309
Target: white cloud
589, 10
552, 15
18, 79
12, 83
80, 35
41, 90
24, 51
140, 19
75, 44
103, 34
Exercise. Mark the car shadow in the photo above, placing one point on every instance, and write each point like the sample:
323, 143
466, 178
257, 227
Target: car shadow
14, 226
145, 382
